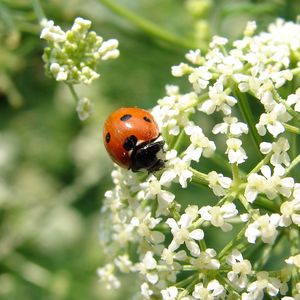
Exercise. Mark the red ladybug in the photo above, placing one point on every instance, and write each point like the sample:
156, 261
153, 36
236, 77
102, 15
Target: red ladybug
130, 137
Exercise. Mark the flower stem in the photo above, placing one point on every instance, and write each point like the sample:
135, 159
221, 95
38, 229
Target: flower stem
293, 164
261, 163
147, 26
73, 92
247, 206
291, 128
199, 178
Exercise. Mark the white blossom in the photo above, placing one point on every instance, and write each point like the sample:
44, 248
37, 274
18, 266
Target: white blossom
263, 283
218, 183
241, 269
107, 276
170, 293
213, 291
265, 227
231, 126
218, 100
205, 260
235, 151
176, 169
200, 144
217, 215
273, 121
182, 234
84, 108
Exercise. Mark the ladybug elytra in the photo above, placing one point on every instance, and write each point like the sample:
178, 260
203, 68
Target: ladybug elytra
130, 137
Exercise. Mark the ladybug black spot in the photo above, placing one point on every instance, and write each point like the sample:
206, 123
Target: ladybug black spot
147, 119
130, 142
107, 137
125, 117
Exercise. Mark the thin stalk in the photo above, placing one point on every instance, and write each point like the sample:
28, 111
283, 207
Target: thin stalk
73, 92
291, 128
293, 164
199, 178
261, 163
147, 26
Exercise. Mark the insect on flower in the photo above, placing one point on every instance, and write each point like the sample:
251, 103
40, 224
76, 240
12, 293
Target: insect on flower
130, 136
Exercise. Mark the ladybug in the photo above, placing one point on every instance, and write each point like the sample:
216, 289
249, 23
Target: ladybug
130, 137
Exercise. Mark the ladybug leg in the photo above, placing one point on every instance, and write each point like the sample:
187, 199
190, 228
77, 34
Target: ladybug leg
145, 156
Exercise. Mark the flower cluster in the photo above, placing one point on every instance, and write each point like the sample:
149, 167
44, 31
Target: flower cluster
247, 90
72, 56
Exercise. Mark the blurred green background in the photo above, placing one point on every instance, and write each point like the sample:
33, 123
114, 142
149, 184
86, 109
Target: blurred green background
53, 168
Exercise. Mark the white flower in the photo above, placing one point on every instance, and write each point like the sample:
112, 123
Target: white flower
255, 184
182, 234
269, 184
52, 33
273, 121
241, 269
84, 108
263, 283
194, 56
148, 268
250, 28
172, 111
213, 291
236, 154
123, 263
294, 260
280, 151
217, 215
199, 78
206, 261
265, 227
107, 276
180, 70
146, 292
145, 225
176, 169
169, 256
152, 188
108, 49
200, 144
218, 183
231, 126
290, 211
170, 293
218, 100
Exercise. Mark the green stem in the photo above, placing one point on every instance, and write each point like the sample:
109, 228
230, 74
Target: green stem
199, 178
38, 10
73, 92
147, 26
234, 243
179, 141
247, 206
291, 128
293, 164
248, 116
261, 163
